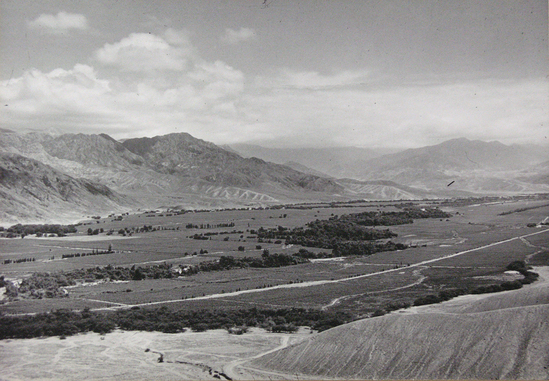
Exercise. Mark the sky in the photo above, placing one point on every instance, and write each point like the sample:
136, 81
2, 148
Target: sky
308, 73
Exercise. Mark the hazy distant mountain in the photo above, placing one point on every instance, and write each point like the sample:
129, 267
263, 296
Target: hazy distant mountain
304, 169
538, 174
337, 162
32, 191
474, 166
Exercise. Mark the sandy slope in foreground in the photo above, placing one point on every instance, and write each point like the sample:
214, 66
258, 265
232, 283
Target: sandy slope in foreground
503, 335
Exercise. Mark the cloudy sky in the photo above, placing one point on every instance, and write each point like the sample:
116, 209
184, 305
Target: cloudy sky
379, 73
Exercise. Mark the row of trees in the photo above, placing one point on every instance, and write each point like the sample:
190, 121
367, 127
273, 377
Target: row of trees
20, 260
93, 252
210, 226
66, 323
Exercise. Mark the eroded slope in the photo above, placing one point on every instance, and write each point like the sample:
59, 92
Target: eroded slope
480, 342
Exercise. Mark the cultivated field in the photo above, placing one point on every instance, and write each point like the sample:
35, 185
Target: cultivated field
468, 249
472, 336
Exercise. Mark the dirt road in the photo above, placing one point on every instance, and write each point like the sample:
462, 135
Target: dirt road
322, 282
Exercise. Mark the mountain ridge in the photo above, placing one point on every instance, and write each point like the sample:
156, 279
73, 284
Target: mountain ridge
178, 169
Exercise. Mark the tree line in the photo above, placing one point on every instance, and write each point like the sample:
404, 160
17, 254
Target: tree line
38, 229
50, 285
406, 216
445, 295
66, 323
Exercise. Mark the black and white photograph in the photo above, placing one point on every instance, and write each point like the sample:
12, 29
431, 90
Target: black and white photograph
274, 190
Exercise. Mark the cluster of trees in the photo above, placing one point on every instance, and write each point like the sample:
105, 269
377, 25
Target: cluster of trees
109, 272
38, 229
230, 262
42, 285
66, 323
20, 260
444, 295
342, 236
406, 216
138, 229
50, 285
322, 233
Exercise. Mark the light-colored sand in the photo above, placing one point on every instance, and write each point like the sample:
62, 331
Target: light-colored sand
121, 355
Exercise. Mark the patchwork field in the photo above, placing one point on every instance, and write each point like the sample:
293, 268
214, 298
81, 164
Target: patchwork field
467, 249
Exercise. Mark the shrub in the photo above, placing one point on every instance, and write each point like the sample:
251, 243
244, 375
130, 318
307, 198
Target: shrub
427, 299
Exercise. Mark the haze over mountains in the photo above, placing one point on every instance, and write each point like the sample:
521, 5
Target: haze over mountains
474, 166
66, 177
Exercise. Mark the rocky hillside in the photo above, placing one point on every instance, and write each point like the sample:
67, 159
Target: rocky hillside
164, 171
32, 191
183, 155
505, 336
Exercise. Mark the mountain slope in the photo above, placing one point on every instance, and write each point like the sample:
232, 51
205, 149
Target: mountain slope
172, 170
474, 166
185, 156
477, 343
32, 191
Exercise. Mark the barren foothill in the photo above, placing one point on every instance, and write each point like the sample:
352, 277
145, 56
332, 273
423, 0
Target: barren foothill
491, 336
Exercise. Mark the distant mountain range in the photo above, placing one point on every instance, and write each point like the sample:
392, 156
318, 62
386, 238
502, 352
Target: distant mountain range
471, 166
336, 162
67, 177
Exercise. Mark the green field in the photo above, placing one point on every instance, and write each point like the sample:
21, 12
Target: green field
470, 228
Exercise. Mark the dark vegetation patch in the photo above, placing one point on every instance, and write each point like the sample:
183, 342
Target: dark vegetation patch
66, 323
449, 293
20, 230
50, 285
348, 234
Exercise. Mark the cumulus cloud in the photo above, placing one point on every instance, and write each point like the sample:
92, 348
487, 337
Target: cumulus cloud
145, 52
186, 93
233, 37
60, 23
167, 87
